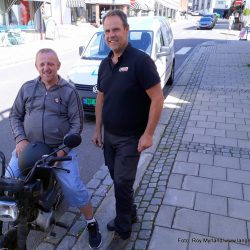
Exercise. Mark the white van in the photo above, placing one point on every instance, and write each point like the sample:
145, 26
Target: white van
153, 35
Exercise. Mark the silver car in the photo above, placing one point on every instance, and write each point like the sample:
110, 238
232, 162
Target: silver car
152, 35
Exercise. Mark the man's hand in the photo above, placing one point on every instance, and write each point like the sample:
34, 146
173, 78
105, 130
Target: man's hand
60, 153
97, 139
21, 146
145, 142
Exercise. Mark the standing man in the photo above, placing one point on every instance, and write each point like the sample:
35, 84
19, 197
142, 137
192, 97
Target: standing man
45, 110
129, 104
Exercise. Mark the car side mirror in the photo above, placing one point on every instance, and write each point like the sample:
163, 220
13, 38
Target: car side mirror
81, 49
164, 51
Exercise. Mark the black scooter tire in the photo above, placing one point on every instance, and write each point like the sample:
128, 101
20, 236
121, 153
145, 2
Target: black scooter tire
8, 241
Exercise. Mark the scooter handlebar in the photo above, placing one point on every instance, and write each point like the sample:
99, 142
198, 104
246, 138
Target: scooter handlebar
52, 160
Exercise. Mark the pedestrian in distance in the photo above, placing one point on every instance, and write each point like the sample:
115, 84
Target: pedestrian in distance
230, 22
45, 110
128, 107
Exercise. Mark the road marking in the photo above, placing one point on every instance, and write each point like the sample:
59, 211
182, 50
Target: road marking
183, 51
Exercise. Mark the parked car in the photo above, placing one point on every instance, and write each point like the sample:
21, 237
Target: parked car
152, 35
205, 23
195, 13
213, 16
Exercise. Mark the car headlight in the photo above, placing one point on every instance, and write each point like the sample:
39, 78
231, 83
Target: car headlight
8, 211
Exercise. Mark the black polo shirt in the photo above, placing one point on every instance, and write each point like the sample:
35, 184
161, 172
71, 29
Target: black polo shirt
126, 103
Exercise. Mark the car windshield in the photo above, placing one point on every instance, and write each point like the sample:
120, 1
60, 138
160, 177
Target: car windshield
98, 50
206, 19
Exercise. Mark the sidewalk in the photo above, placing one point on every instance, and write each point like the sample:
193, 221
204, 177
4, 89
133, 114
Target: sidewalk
193, 185
70, 37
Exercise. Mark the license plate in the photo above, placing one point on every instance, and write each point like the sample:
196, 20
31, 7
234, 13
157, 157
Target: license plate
89, 101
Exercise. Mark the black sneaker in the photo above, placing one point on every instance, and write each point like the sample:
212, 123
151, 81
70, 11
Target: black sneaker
95, 237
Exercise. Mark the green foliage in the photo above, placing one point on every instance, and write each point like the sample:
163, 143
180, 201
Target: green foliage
246, 12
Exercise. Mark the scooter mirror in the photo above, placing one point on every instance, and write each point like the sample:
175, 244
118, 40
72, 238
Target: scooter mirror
72, 140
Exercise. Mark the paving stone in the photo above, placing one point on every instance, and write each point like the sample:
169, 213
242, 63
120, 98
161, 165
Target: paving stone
227, 228
67, 243
234, 206
67, 219
175, 181
227, 126
226, 141
149, 216
93, 183
200, 158
186, 168
203, 139
213, 118
56, 236
194, 183
175, 239
165, 216
192, 221
215, 132
244, 144
205, 124
147, 225
100, 174
140, 244
238, 176
212, 172
102, 190
228, 189
245, 164
144, 234
246, 192
211, 203
182, 156
45, 246
179, 198
234, 246
77, 228
236, 134
194, 130
227, 162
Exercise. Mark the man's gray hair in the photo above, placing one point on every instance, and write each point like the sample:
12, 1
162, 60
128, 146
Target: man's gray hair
46, 51
118, 13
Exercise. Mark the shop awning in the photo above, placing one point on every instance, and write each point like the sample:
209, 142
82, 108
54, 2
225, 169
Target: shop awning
138, 5
7, 4
37, 3
75, 3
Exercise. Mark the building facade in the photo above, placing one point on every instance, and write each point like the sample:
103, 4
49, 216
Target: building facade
33, 14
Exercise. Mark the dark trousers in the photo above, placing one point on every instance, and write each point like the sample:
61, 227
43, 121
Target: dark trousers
121, 157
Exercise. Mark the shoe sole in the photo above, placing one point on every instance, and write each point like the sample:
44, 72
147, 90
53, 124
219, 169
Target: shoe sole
97, 246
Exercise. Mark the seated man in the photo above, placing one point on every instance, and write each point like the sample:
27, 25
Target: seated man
45, 110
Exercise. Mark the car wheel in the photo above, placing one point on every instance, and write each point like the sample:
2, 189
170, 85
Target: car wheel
170, 81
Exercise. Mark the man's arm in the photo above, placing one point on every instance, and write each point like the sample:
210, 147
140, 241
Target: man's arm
156, 96
97, 137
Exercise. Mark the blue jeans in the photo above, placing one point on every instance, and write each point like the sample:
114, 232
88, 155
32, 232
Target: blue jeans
74, 190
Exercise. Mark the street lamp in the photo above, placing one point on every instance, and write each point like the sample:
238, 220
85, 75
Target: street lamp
113, 4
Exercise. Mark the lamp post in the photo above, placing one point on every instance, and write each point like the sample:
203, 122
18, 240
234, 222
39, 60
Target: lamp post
113, 4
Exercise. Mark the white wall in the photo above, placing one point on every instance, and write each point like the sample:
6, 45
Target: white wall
60, 12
